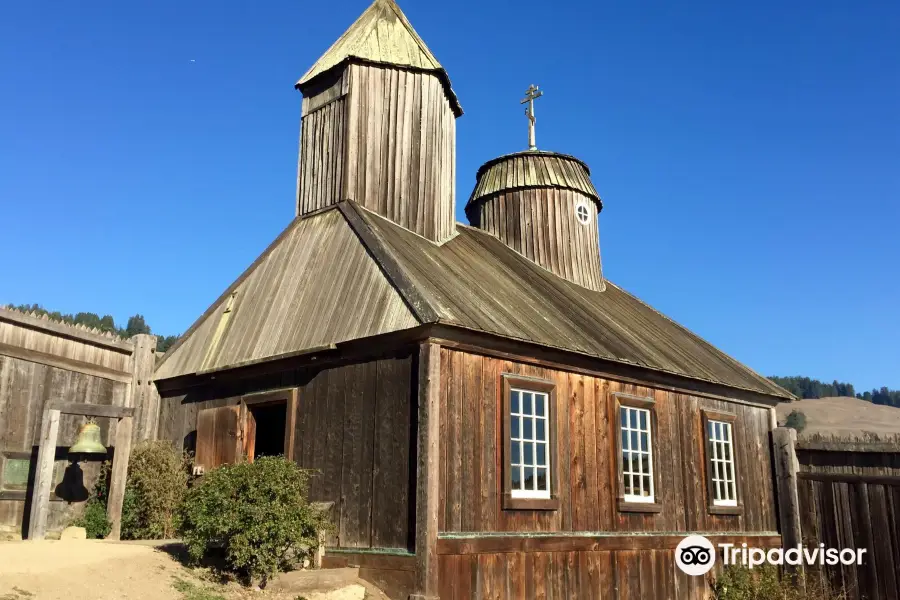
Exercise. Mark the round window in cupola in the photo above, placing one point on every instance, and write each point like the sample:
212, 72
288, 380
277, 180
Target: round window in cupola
582, 213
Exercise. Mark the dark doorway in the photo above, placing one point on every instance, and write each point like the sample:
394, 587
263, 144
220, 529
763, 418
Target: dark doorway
271, 421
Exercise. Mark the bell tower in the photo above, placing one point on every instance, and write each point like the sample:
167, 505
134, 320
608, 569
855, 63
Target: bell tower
378, 126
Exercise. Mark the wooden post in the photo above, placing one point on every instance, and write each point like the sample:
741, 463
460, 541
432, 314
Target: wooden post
119, 474
427, 476
143, 396
784, 440
40, 494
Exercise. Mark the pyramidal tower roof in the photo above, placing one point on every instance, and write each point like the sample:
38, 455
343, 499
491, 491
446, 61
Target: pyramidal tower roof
382, 34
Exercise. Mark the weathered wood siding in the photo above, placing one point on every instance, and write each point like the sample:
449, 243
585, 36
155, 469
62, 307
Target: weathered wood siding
42, 362
353, 426
851, 499
386, 138
323, 131
575, 564
401, 160
470, 460
584, 575
540, 224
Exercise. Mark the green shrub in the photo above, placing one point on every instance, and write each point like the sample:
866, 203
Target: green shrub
157, 482
257, 512
797, 420
764, 583
93, 519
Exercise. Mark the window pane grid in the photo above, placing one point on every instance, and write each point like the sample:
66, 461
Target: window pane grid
637, 454
529, 451
722, 474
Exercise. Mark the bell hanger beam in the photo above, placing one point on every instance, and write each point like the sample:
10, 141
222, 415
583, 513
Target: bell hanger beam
92, 410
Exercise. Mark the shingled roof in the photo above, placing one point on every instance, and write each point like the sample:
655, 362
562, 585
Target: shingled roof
533, 168
289, 304
383, 35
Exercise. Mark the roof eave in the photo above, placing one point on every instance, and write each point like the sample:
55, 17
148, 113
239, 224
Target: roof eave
307, 80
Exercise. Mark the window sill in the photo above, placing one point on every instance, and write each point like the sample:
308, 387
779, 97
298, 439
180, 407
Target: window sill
725, 510
639, 507
510, 503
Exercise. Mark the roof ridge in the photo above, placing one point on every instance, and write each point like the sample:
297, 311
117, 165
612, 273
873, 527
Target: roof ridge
419, 304
392, 4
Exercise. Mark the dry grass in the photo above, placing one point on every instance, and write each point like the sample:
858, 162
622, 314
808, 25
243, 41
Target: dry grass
845, 417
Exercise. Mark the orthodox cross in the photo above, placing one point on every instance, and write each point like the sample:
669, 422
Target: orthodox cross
530, 96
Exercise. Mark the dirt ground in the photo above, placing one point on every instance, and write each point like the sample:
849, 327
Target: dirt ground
99, 570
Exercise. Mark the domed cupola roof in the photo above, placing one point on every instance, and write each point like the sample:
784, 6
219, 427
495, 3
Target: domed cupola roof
532, 169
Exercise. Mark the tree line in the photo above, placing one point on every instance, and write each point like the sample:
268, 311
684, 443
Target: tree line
135, 325
804, 387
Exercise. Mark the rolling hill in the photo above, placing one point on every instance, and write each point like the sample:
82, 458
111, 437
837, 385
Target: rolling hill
843, 416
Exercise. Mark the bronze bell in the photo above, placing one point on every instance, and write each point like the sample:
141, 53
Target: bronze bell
88, 441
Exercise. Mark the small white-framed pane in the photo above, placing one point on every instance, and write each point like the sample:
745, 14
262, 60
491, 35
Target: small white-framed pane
582, 214
637, 454
721, 460
529, 432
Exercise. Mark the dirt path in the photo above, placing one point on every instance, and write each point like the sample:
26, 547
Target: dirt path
98, 570
85, 570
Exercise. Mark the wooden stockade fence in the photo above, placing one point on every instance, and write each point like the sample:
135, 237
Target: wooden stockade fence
847, 496
49, 372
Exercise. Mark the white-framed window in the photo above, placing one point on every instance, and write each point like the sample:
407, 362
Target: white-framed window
529, 438
582, 213
636, 435
722, 480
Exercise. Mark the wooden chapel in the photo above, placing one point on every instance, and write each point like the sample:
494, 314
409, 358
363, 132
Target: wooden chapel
489, 416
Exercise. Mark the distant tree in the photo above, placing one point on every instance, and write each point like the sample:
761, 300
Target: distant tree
136, 325
804, 387
108, 324
163, 343
796, 420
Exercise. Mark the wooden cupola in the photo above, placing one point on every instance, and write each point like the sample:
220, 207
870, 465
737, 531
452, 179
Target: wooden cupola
544, 206
379, 126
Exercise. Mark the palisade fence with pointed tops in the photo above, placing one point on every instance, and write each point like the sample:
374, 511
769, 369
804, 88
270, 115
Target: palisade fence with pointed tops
44, 363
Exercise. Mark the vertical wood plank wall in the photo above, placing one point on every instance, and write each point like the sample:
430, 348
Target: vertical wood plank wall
470, 471
354, 427
585, 575
850, 498
42, 362
387, 140
540, 224
321, 171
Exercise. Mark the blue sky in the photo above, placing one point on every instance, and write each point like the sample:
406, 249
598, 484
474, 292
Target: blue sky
748, 153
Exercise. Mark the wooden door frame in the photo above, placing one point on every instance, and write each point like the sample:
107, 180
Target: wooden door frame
286, 396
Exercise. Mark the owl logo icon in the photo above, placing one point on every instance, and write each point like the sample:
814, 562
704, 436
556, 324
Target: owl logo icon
695, 555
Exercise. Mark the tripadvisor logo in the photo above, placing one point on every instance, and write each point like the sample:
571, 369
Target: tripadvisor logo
696, 555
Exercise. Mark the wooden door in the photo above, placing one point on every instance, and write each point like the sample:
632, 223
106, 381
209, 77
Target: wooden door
249, 446
218, 437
